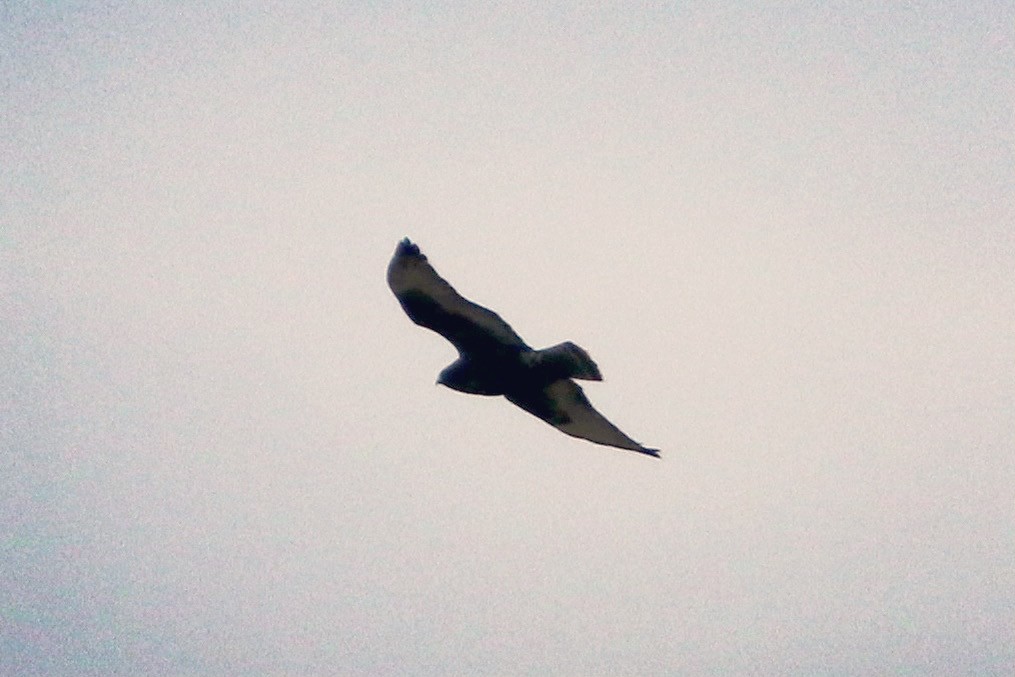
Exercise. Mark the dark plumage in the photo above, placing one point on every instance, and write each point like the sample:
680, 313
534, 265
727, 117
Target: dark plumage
494, 360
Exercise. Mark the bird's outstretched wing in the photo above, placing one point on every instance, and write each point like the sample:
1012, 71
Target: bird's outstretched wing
431, 302
563, 405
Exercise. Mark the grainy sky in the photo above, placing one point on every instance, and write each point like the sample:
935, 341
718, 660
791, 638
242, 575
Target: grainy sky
786, 233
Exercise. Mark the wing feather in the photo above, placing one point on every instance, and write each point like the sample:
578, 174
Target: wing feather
431, 302
563, 405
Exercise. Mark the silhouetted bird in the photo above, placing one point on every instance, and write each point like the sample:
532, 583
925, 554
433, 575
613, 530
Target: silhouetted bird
494, 360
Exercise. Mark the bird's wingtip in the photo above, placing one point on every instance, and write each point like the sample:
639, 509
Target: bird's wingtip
407, 248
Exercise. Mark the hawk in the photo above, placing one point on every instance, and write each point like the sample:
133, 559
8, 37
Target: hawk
494, 360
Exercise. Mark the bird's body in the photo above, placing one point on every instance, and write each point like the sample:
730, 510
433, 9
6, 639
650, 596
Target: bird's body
494, 360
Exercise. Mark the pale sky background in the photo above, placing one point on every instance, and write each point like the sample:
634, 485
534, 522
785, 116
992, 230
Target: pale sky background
785, 233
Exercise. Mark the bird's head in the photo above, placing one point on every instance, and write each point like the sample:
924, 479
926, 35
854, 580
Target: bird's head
463, 376
449, 376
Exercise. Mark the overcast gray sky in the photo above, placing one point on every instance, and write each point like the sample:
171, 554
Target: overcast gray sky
786, 234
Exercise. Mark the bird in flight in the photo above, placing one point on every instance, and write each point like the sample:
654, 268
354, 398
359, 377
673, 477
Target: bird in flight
494, 360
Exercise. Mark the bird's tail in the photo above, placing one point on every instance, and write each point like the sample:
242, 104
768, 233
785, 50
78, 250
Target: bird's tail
570, 361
